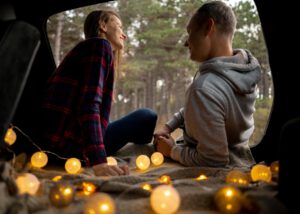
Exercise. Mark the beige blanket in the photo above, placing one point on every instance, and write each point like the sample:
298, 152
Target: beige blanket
130, 198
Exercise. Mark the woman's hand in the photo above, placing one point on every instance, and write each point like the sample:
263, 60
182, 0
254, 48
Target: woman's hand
108, 170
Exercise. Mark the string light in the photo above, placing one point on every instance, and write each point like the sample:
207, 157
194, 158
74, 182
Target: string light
142, 162
111, 161
157, 158
274, 167
237, 177
27, 183
165, 199
88, 188
165, 179
10, 137
73, 165
39, 159
57, 178
61, 194
147, 187
228, 200
261, 172
100, 203
201, 177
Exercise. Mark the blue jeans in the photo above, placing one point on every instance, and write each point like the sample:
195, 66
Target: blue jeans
136, 127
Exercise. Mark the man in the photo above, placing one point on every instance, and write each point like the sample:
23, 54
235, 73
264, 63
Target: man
217, 117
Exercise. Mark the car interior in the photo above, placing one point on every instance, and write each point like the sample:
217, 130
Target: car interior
25, 52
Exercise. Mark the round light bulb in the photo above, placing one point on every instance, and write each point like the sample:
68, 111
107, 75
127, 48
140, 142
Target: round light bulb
274, 167
100, 203
111, 161
73, 165
61, 194
10, 137
261, 172
228, 200
165, 199
27, 183
39, 159
157, 158
237, 177
142, 162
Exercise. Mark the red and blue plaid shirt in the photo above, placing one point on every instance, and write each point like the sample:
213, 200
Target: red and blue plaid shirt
78, 101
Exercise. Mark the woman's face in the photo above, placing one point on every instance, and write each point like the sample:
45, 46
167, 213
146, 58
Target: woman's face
114, 33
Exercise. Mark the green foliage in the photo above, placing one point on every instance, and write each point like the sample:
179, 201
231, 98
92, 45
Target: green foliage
261, 118
155, 53
249, 34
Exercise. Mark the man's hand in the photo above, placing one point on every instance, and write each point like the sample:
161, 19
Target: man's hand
164, 145
164, 131
108, 170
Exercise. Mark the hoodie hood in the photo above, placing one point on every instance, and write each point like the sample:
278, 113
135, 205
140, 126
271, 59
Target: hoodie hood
242, 70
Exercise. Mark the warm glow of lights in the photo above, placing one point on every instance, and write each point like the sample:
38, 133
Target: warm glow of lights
57, 178
237, 177
10, 137
147, 187
261, 172
61, 195
39, 159
157, 158
142, 162
274, 167
88, 188
165, 179
73, 165
111, 161
100, 203
201, 177
27, 183
228, 200
165, 199
229, 207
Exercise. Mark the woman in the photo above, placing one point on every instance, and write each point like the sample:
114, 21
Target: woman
78, 100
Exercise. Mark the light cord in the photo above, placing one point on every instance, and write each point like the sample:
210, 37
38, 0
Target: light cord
39, 148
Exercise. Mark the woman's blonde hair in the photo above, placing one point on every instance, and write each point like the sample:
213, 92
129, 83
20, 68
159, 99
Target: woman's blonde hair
92, 29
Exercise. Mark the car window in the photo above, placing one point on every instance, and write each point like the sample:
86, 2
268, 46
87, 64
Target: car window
156, 69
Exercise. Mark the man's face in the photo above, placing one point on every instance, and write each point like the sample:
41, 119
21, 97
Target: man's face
197, 41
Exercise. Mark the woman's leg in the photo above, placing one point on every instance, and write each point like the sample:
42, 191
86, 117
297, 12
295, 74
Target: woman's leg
136, 127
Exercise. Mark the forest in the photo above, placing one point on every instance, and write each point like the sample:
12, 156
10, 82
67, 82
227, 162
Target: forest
156, 69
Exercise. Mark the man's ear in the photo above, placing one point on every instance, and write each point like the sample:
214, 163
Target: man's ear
102, 26
210, 28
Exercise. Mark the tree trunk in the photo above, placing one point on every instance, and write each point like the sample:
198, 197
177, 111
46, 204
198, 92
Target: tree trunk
149, 90
57, 44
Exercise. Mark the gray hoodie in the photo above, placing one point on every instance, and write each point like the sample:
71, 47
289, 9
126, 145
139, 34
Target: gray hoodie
218, 113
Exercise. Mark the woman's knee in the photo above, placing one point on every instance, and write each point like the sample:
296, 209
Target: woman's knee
148, 114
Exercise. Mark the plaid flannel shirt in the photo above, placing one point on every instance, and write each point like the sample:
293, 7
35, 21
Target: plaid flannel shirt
78, 101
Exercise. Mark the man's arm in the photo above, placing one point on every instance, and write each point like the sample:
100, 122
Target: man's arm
205, 116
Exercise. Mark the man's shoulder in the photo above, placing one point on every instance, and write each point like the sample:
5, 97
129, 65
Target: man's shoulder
208, 79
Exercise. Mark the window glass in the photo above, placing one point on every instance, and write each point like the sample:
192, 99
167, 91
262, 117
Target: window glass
155, 69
